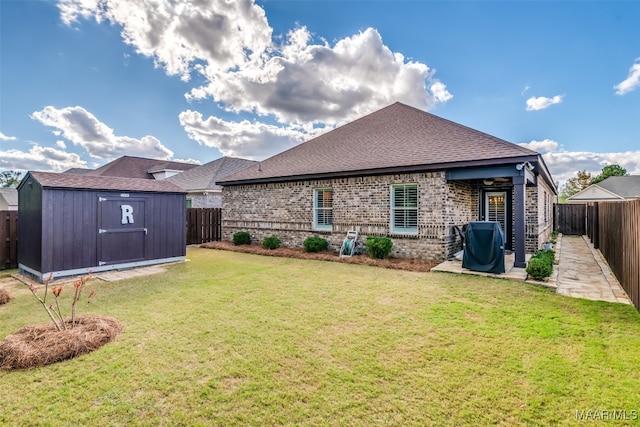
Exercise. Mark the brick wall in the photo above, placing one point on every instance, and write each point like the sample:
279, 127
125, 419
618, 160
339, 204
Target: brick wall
208, 200
361, 203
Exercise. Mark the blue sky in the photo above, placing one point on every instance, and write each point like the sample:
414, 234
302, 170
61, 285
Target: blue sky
83, 82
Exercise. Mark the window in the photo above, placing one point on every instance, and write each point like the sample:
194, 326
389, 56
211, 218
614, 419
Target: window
323, 209
188, 203
404, 208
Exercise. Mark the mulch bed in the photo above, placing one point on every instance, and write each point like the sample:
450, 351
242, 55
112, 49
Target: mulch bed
407, 264
40, 345
4, 296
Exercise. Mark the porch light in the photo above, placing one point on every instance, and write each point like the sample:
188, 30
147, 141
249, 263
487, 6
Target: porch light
487, 181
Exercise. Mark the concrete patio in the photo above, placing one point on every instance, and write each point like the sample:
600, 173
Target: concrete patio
580, 272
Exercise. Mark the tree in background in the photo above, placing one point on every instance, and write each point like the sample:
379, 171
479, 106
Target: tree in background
10, 178
575, 185
609, 170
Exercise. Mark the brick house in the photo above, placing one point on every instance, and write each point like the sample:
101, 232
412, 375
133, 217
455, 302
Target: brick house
398, 172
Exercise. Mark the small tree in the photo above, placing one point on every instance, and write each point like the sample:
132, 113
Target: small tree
10, 178
610, 170
576, 184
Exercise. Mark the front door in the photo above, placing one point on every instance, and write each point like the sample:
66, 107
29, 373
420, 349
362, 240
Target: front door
122, 232
496, 209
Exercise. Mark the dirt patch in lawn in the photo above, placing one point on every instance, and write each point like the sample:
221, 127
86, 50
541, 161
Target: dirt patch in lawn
408, 264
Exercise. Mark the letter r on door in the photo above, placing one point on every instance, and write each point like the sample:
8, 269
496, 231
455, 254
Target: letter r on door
127, 214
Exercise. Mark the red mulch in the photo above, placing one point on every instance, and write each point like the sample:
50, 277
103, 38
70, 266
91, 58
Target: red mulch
408, 264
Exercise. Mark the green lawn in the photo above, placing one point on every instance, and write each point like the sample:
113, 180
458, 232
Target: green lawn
238, 339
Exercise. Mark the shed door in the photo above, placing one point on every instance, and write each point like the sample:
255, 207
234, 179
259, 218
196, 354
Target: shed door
121, 230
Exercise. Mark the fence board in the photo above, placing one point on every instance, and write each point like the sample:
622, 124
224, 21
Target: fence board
204, 225
8, 239
570, 219
619, 242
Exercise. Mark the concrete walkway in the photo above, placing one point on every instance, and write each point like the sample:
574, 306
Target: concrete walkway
584, 273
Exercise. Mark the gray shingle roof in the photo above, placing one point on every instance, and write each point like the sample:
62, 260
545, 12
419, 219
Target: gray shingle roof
10, 195
205, 177
138, 167
397, 136
624, 186
87, 182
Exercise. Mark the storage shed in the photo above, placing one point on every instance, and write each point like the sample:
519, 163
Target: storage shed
72, 224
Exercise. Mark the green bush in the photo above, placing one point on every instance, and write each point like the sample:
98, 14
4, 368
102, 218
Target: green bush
539, 268
241, 238
378, 247
315, 244
271, 242
547, 254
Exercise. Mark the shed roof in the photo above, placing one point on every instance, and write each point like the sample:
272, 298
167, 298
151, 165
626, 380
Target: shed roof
395, 137
138, 167
10, 195
108, 183
205, 177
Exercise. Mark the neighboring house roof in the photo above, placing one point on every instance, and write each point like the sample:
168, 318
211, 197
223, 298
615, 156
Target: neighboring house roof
138, 167
85, 182
78, 171
612, 188
10, 195
205, 177
397, 138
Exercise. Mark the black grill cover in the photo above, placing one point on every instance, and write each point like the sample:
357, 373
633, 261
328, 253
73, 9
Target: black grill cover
484, 247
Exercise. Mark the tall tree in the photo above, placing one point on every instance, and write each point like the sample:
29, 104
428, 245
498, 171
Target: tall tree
610, 170
576, 184
10, 178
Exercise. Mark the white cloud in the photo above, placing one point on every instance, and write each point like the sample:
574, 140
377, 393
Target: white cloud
565, 164
4, 137
251, 140
631, 82
192, 161
61, 144
230, 45
542, 102
179, 34
544, 146
41, 159
305, 82
82, 128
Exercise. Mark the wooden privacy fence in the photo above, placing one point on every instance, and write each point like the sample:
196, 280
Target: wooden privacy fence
570, 219
615, 230
204, 225
8, 239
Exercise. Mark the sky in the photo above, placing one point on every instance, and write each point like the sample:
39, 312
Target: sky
83, 82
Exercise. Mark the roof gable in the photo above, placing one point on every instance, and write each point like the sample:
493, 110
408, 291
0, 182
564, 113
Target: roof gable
108, 183
10, 195
205, 177
627, 187
397, 136
138, 167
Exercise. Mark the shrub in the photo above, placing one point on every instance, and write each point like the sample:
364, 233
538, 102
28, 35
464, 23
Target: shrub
547, 254
378, 247
539, 268
4, 297
271, 242
315, 244
241, 238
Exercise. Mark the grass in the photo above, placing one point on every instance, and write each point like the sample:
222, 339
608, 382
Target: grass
238, 339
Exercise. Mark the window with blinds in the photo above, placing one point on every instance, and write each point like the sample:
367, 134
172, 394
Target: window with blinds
323, 209
404, 209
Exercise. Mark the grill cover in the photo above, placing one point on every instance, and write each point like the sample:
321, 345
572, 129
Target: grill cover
484, 247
